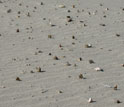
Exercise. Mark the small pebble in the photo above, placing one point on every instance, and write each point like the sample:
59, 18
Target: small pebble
35, 7
75, 65
118, 35
123, 9
101, 4
39, 69
60, 45
117, 101
50, 54
68, 64
60, 91
63, 56
40, 51
69, 19
44, 91
20, 4
122, 65
73, 37
104, 16
3, 87
80, 59
19, 12
81, 76
44, 18
56, 58
106, 9
28, 14
9, 11
73, 6
115, 87
18, 79
31, 71
73, 43
102, 24
50, 36
91, 61
89, 13
68, 11
17, 30
41, 3
52, 25
85, 25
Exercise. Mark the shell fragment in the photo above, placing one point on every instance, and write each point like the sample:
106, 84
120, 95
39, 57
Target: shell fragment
61, 6
98, 69
90, 100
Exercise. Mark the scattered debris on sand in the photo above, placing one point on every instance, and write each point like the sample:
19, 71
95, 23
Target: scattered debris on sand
39, 69
88, 46
81, 76
117, 101
55, 58
61, 6
18, 79
115, 87
91, 61
98, 69
90, 100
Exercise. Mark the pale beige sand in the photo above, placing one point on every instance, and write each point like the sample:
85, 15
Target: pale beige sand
19, 53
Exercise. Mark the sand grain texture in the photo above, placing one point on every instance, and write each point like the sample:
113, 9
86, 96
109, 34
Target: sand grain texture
34, 32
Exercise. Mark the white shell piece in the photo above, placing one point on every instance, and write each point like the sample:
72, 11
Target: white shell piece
61, 6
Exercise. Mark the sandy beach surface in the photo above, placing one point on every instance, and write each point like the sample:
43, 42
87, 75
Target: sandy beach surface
61, 53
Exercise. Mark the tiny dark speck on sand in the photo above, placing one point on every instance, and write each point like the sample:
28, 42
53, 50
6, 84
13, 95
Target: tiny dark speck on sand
9, 11
17, 30
55, 58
